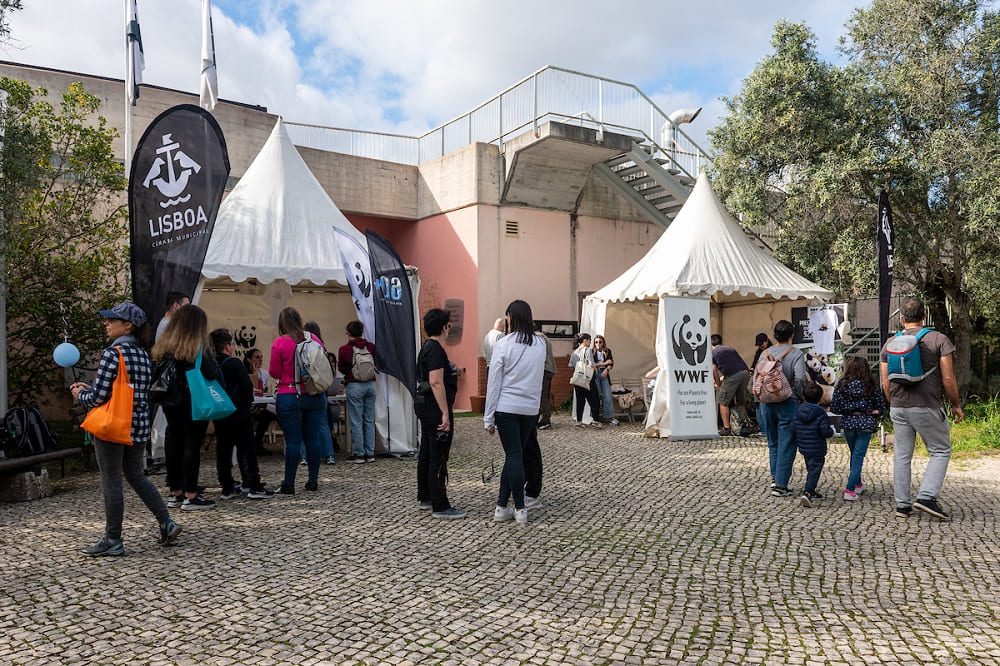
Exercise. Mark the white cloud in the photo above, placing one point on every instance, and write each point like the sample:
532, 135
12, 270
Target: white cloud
404, 67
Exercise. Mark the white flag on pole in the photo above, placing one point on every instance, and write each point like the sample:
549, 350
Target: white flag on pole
358, 272
133, 54
209, 75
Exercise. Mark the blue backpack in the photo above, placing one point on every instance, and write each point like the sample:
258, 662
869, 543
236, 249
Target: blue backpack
903, 356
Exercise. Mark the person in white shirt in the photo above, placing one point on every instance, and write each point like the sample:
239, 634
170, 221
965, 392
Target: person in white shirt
490, 341
513, 396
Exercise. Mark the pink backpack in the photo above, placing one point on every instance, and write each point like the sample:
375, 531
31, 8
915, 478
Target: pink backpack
770, 385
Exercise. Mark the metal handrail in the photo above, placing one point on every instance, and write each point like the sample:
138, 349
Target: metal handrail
547, 93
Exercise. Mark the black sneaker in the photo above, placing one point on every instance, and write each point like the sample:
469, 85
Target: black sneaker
169, 531
105, 547
450, 513
544, 426
312, 485
805, 500
286, 490
175, 501
778, 491
260, 493
235, 493
725, 432
903, 511
197, 503
930, 507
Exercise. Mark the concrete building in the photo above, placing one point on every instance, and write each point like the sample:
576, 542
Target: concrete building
544, 193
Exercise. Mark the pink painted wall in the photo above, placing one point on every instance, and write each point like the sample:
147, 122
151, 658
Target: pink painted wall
538, 264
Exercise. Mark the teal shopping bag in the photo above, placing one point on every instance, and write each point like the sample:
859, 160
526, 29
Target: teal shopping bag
209, 401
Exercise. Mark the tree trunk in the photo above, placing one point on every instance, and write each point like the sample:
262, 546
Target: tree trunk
961, 328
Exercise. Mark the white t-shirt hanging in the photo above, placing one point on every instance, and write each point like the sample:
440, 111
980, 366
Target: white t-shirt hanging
823, 328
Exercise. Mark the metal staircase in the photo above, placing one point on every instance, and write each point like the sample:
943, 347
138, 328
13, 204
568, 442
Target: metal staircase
651, 179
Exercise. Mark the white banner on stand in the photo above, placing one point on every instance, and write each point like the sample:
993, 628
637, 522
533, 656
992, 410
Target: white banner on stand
690, 385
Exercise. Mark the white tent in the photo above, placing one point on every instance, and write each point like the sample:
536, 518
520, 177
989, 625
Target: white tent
274, 245
703, 254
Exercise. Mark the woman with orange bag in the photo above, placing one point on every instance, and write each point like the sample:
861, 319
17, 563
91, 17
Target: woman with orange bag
125, 324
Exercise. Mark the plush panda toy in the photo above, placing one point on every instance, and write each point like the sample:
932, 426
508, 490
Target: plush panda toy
820, 372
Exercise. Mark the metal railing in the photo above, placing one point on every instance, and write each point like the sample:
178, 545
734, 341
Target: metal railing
550, 93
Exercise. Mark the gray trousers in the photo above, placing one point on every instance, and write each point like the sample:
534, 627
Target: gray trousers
115, 461
934, 429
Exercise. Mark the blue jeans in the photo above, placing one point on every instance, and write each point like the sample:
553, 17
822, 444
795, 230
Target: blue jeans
777, 423
361, 410
857, 442
303, 420
604, 389
514, 431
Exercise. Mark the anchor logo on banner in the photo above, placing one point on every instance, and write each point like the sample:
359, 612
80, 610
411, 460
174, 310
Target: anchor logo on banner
179, 167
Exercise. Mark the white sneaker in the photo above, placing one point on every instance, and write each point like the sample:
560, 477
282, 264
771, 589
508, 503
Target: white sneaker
850, 496
860, 488
521, 515
613, 421
532, 502
503, 513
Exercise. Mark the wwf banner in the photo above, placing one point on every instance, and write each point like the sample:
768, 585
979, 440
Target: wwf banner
886, 237
690, 385
395, 341
357, 272
178, 176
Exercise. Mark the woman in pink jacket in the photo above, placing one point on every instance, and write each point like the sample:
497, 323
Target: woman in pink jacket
302, 416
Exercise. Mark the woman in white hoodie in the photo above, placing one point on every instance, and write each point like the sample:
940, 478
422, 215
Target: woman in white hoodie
513, 396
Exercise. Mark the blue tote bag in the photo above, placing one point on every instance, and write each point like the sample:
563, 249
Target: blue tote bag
209, 401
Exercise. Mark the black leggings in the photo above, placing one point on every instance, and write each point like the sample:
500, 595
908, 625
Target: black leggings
590, 395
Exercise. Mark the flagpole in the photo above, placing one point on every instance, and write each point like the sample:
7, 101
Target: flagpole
128, 94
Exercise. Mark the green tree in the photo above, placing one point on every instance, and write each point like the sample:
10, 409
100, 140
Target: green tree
7, 6
807, 146
65, 231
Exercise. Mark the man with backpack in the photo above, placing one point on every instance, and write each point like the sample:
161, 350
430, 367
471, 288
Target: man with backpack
357, 360
779, 377
915, 365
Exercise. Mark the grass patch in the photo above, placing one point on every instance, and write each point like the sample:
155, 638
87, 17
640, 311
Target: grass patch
977, 435
980, 431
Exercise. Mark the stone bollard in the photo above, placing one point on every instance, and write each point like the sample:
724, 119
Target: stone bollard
25, 486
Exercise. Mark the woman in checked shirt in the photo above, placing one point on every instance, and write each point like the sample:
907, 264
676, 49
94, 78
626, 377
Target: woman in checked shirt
126, 326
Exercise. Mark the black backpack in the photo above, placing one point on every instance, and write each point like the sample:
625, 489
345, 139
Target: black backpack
26, 433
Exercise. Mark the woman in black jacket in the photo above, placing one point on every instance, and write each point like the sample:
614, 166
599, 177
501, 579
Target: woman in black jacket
185, 337
236, 430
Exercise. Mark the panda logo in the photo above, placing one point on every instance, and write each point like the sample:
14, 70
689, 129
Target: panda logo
246, 338
690, 343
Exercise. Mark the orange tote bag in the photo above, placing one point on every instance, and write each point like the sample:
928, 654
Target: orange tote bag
112, 421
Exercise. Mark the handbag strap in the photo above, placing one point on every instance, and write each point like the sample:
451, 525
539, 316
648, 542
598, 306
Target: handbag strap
121, 364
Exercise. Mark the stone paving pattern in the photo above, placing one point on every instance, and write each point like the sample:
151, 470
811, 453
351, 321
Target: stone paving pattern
646, 551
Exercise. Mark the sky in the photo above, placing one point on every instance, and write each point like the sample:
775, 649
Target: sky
407, 67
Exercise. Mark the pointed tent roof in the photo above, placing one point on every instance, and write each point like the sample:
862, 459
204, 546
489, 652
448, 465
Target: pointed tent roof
705, 252
277, 223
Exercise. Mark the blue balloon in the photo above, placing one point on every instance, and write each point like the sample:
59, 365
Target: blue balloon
66, 355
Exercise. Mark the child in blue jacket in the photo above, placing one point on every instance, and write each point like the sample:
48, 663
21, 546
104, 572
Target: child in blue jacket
811, 426
859, 398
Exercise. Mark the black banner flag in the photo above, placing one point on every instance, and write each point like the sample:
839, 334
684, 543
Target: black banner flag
884, 244
178, 176
395, 341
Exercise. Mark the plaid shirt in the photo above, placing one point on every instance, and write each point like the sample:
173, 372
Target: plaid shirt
140, 374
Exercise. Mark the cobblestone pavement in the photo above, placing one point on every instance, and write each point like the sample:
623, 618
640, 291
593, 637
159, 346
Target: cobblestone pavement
645, 551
